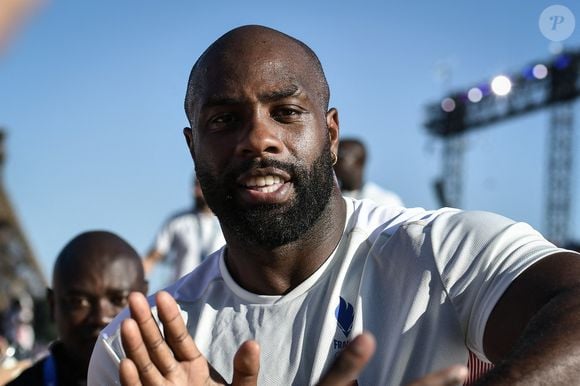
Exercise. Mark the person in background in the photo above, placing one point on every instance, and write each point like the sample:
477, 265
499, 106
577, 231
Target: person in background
350, 169
92, 278
186, 239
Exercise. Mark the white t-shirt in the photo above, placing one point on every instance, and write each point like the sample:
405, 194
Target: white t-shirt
374, 192
423, 282
186, 239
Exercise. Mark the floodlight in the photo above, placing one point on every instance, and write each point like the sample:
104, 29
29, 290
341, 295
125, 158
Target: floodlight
448, 105
501, 85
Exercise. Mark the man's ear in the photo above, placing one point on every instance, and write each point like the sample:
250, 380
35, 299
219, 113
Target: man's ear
51, 300
333, 128
188, 133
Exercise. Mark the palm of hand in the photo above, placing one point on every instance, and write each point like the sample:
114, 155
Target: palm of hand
174, 360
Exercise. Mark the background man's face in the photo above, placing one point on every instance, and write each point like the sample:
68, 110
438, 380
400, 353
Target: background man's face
86, 298
349, 166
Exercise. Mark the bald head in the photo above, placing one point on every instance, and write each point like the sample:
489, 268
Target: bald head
94, 249
247, 46
353, 147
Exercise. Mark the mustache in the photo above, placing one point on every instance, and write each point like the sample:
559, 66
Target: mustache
224, 184
231, 174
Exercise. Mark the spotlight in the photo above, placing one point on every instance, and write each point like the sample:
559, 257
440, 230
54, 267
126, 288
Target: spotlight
474, 94
448, 105
501, 85
540, 71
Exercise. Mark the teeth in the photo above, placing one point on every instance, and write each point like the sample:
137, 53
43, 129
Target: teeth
262, 181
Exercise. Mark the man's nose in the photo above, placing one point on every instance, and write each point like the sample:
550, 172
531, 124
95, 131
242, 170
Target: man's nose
261, 137
103, 312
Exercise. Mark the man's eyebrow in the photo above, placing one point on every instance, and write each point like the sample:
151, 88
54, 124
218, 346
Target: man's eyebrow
269, 96
219, 100
275, 95
76, 292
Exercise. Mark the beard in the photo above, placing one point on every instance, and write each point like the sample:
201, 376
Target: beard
271, 225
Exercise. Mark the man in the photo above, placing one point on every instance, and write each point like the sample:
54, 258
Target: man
92, 278
349, 169
307, 277
187, 238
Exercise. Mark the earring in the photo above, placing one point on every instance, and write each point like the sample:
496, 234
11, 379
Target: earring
334, 158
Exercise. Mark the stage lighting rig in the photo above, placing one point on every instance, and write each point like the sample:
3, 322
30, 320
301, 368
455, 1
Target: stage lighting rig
553, 84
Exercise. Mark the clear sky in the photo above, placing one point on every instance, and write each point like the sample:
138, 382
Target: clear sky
91, 94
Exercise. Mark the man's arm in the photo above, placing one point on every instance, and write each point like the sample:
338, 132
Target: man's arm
152, 258
161, 246
533, 332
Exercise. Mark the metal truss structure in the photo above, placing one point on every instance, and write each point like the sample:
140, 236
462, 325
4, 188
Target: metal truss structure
552, 84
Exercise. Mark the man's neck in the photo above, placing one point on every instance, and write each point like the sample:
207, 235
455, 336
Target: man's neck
279, 270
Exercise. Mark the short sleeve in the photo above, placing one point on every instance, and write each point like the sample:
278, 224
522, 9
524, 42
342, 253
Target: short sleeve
479, 254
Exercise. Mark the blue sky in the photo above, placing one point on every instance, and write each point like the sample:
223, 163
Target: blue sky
92, 98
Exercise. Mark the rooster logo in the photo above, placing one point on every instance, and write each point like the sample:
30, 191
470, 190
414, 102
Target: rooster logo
344, 316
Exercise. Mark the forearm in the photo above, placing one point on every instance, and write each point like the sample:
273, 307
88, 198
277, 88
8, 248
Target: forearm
548, 351
151, 260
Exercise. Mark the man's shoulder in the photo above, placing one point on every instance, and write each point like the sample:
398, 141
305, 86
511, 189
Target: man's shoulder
182, 222
184, 214
370, 214
471, 220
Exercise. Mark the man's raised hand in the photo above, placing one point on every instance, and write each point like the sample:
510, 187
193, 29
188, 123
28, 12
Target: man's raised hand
175, 360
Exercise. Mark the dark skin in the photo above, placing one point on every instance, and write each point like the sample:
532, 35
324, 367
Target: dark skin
274, 119
532, 328
93, 276
532, 332
198, 198
350, 164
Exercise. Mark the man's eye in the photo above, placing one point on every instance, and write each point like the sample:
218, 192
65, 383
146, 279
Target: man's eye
223, 119
77, 302
119, 300
286, 114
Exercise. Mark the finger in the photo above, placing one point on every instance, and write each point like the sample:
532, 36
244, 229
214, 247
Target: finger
159, 354
176, 334
128, 373
350, 362
137, 353
247, 364
450, 376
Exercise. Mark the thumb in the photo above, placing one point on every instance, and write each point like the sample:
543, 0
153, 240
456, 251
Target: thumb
247, 364
350, 362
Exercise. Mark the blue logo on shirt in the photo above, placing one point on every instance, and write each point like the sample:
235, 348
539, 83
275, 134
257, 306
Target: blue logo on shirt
344, 316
